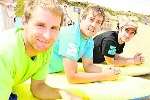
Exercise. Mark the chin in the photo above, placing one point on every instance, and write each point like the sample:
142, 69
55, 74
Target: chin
41, 49
89, 35
127, 40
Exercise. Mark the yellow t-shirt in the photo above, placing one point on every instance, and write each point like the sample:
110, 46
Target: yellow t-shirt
15, 65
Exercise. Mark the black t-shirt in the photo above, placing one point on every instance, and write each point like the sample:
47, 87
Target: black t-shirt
106, 44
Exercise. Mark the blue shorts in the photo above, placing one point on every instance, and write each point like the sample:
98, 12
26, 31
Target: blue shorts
13, 96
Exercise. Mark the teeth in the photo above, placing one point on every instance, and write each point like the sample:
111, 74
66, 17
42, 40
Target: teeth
91, 29
42, 41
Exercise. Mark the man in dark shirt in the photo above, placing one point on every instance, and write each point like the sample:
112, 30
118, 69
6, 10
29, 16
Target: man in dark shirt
108, 46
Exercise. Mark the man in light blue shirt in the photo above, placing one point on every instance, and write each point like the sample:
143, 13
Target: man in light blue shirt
76, 42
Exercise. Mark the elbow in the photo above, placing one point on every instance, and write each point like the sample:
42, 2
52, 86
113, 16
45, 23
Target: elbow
33, 91
110, 62
73, 79
118, 64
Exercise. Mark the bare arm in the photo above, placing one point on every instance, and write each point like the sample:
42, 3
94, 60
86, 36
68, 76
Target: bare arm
70, 67
3, 3
123, 61
90, 67
42, 91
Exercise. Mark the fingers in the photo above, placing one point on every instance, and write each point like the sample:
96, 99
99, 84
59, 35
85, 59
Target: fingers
142, 59
115, 71
115, 77
111, 73
138, 58
137, 54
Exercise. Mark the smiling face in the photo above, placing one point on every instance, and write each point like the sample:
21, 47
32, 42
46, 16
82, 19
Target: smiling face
127, 30
41, 30
91, 24
127, 34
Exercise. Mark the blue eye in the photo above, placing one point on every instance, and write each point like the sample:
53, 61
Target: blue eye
41, 25
91, 19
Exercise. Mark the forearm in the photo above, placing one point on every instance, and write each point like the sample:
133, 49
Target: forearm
45, 92
123, 61
91, 68
82, 77
3, 3
93, 73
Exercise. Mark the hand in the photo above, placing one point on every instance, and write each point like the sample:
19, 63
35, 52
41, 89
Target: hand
68, 96
138, 58
111, 73
115, 70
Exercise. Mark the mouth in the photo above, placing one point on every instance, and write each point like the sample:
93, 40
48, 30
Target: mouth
42, 41
91, 29
42, 44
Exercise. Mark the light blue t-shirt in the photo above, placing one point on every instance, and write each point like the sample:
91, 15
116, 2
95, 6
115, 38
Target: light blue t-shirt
70, 44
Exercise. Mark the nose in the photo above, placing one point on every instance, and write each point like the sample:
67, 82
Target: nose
94, 24
127, 34
47, 34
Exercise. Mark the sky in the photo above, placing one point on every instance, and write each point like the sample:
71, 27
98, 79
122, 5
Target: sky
138, 6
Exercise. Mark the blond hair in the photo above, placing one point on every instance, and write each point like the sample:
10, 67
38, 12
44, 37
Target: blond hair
51, 5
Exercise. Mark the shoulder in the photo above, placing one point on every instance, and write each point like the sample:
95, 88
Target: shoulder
70, 29
7, 38
105, 37
69, 33
108, 34
90, 42
9, 41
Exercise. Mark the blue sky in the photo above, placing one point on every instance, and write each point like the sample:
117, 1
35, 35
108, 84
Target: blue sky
139, 6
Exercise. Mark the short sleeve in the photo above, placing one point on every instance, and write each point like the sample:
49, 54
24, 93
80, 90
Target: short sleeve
89, 50
41, 73
109, 48
43, 64
69, 50
68, 42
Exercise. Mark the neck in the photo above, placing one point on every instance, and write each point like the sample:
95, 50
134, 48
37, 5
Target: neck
82, 34
84, 37
30, 51
119, 40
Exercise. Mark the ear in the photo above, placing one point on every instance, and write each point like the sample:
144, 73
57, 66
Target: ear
24, 21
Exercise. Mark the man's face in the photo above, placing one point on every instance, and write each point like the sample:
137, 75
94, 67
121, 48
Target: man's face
42, 29
127, 34
91, 24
